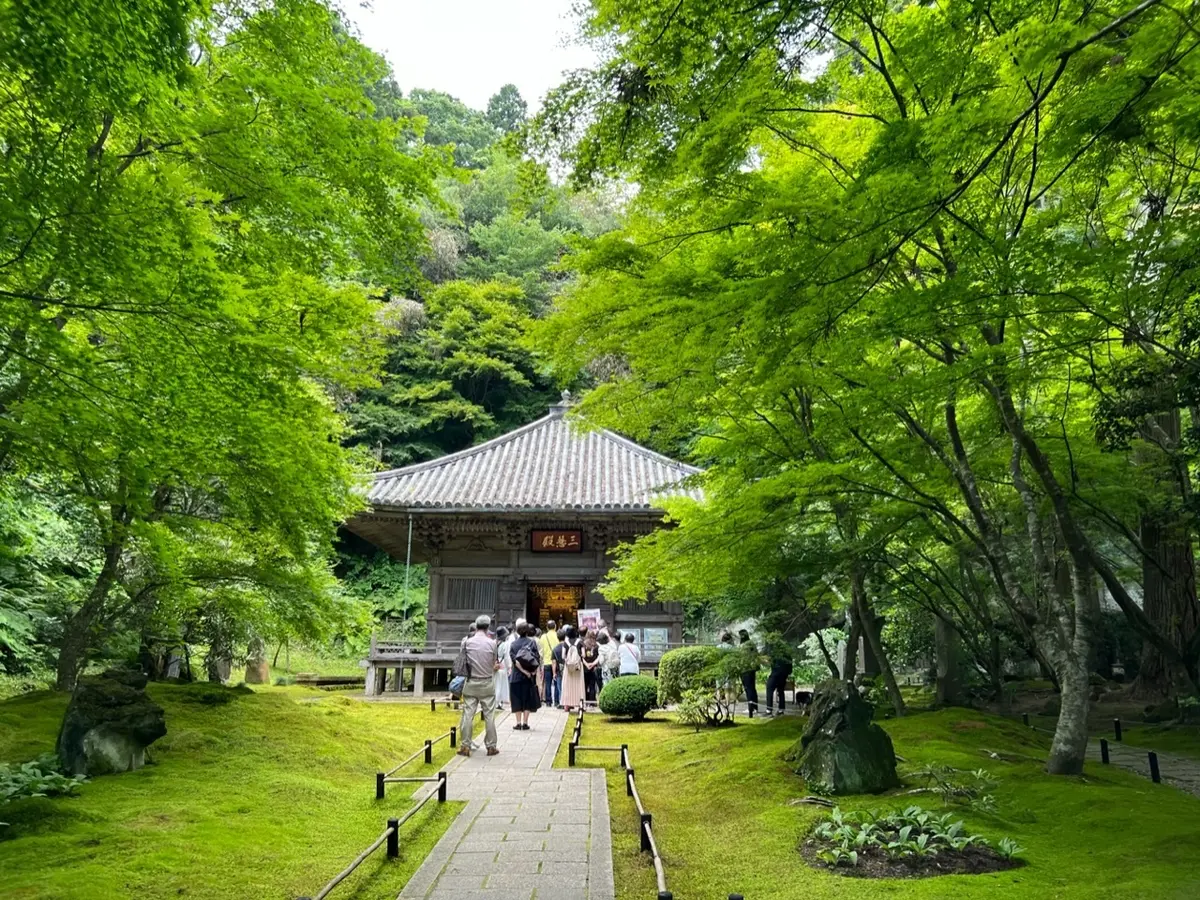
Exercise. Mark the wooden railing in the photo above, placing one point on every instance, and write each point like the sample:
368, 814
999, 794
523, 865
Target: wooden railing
389, 777
646, 821
391, 834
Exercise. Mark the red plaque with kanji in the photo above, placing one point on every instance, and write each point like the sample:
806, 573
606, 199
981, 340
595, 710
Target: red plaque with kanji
556, 541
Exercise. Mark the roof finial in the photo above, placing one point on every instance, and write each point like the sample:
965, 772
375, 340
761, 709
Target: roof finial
560, 408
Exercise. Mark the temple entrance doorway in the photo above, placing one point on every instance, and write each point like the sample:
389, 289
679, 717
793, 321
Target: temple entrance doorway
554, 601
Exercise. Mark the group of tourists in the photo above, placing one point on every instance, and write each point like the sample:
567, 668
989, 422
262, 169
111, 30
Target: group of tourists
527, 667
780, 659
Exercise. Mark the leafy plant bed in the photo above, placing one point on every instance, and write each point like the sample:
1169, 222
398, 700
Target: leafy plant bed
913, 843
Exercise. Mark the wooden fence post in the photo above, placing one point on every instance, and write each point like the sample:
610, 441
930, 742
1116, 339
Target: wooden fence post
428, 751
1104, 751
393, 841
453, 736
379, 785
441, 787
647, 824
629, 782
1154, 776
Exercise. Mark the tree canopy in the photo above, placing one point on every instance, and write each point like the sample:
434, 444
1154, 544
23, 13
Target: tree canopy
191, 247
916, 283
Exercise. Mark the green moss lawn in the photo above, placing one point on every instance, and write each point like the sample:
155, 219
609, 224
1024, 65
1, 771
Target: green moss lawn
723, 822
266, 797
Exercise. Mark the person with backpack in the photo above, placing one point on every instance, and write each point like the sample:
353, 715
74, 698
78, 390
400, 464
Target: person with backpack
525, 662
572, 671
477, 662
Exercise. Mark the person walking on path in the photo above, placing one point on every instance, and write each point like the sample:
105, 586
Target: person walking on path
479, 693
504, 643
573, 680
781, 671
630, 656
524, 663
750, 672
547, 642
591, 667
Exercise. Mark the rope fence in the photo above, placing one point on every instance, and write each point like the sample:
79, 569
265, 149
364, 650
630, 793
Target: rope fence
1151, 756
391, 834
382, 779
645, 819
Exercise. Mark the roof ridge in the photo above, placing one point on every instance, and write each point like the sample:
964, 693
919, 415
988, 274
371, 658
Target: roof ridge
499, 440
468, 451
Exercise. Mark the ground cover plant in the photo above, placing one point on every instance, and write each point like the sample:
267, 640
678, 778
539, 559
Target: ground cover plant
267, 796
912, 842
727, 817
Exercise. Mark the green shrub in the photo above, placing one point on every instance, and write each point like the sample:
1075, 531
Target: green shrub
629, 695
38, 778
685, 669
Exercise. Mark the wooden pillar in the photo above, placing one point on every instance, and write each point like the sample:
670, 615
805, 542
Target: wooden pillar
418, 679
370, 684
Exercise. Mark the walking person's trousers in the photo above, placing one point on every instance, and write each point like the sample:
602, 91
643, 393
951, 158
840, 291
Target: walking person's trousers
478, 694
750, 687
775, 682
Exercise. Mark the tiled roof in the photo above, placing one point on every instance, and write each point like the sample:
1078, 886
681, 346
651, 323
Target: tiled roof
547, 465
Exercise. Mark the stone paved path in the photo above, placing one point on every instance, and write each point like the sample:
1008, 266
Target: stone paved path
1179, 771
528, 832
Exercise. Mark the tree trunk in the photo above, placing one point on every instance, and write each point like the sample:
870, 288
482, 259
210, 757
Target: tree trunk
853, 638
1077, 616
872, 630
1169, 600
78, 632
946, 645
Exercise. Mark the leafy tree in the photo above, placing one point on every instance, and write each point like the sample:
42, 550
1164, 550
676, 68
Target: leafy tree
187, 247
506, 110
457, 373
451, 123
886, 266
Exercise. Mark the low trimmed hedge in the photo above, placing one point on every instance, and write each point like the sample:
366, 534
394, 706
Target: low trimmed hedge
631, 696
680, 670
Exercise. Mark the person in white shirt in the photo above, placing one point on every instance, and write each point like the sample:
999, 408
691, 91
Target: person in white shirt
629, 656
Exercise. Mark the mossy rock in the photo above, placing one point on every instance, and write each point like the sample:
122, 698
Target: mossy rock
842, 751
108, 725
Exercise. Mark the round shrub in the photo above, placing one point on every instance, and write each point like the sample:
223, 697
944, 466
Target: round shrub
680, 669
630, 695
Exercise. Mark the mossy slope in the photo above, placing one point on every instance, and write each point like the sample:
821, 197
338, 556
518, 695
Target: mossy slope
267, 796
723, 823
